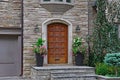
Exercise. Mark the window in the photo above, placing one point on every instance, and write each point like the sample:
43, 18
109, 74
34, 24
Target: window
63, 1
57, 6
69, 1
46, 0
59, 0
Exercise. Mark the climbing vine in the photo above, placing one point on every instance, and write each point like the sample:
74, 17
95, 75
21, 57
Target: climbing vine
105, 34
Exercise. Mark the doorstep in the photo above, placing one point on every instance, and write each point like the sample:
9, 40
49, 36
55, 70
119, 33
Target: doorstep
62, 72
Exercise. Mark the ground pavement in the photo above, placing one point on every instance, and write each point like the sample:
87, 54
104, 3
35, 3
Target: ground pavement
13, 78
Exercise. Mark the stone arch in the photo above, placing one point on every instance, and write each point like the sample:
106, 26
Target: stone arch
44, 35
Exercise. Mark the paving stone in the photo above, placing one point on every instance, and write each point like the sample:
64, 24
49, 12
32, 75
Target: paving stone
14, 78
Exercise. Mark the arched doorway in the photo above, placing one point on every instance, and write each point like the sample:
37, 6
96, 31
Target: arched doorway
57, 41
45, 25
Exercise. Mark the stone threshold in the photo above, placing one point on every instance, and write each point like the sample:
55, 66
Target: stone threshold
61, 67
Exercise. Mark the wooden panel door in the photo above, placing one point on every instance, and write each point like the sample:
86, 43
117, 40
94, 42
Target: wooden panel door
57, 43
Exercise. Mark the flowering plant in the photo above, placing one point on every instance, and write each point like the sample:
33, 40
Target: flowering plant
77, 46
38, 47
77, 42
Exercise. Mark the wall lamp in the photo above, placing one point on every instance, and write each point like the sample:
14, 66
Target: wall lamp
95, 6
36, 29
77, 29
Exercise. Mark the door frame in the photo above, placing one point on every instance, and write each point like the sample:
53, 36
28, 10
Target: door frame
44, 36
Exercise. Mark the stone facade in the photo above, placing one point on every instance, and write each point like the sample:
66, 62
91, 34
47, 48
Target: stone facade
35, 14
10, 13
91, 15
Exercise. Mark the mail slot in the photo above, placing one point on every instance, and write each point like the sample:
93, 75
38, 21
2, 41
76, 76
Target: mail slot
57, 59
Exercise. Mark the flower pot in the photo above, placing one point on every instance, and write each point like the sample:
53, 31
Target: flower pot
39, 60
79, 59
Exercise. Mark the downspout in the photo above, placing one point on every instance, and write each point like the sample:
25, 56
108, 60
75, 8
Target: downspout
88, 30
22, 22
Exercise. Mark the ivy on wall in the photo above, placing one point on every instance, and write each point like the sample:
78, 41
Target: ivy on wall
105, 34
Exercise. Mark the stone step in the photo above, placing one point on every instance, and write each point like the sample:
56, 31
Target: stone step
62, 72
80, 77
45, 68
79, 74
64, 68
71, 73
73, 70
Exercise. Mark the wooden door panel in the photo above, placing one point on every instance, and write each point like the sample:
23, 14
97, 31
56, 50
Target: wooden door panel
57, 43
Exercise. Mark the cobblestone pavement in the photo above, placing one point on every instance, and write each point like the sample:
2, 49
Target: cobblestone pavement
14, 78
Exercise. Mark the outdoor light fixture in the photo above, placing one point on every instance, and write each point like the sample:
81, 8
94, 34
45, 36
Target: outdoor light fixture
36, 29
95, 6
77, 29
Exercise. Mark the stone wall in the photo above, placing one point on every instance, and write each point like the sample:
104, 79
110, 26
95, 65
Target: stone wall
10, 13
91, 16
35, 14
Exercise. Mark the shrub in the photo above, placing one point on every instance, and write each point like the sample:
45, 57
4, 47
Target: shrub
102, 69
113, 59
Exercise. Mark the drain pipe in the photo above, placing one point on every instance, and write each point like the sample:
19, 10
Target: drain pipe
88, 30
22, 22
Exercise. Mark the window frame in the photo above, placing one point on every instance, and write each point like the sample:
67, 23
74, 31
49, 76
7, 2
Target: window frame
46, 1
61, 2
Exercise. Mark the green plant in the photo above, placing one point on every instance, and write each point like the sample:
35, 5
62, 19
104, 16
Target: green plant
105, 34
77, 42
101, 69
38, 47
104, 69
78, 46
113, 59
119, 72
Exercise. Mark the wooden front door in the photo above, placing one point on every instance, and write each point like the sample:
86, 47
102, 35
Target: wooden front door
57, 43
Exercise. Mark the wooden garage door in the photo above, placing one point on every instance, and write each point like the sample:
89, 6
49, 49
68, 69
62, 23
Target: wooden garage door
57, 43
10, 56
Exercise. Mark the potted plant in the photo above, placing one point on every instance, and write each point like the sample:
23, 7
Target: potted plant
40, 50
78, 51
